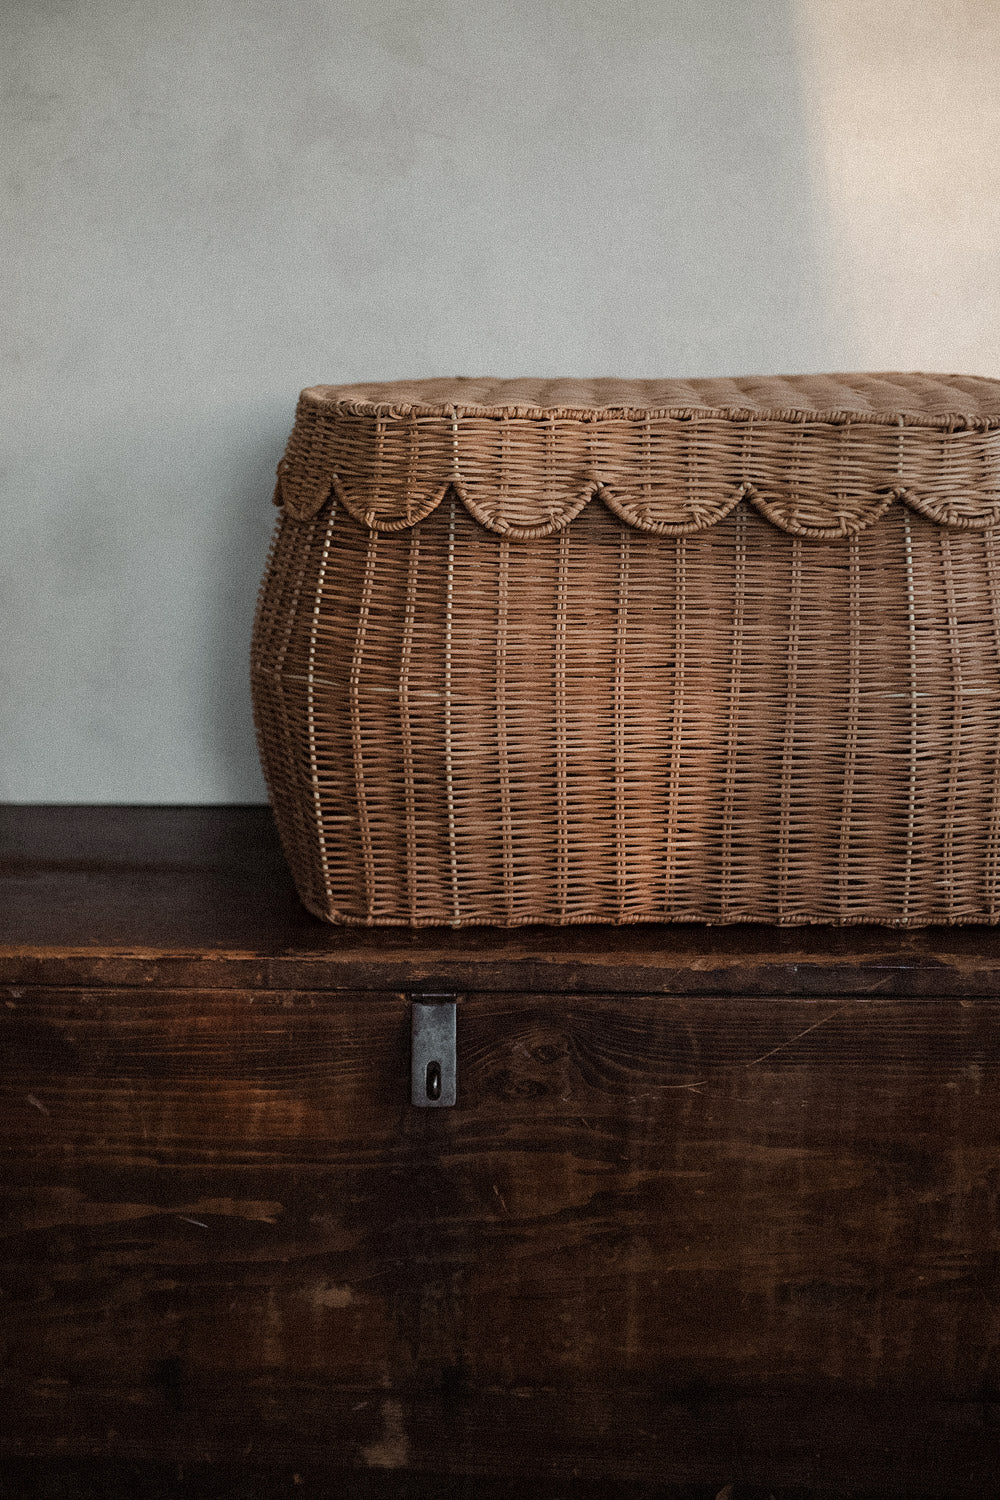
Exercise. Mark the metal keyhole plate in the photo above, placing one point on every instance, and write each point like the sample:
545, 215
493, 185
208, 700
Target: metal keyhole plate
433, 1030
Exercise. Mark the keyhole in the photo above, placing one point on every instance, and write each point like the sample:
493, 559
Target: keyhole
433, 1080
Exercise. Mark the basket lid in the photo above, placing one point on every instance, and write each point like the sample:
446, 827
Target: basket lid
818, 455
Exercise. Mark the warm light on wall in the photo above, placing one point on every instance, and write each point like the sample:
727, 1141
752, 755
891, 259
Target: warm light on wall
902, 106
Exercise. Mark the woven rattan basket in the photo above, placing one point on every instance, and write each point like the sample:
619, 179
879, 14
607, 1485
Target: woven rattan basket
597, 651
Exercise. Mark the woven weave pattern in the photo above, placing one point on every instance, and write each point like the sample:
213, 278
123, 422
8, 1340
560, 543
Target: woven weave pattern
472, 711
673, 467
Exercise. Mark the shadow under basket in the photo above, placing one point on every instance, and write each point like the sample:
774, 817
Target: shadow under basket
601, 651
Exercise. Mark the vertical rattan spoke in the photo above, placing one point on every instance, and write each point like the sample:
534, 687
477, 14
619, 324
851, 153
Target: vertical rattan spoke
318, 799
406, 724
358, 724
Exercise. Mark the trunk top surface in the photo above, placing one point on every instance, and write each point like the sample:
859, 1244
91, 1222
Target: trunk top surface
194, 896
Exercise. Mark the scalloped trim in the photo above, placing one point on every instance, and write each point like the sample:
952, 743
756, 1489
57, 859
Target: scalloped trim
639, 513
528, 479
417, 509
781, 512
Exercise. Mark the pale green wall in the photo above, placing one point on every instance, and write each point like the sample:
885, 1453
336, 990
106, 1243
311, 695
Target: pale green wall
208, 206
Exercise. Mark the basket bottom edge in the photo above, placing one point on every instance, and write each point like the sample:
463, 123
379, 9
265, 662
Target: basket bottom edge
507, 922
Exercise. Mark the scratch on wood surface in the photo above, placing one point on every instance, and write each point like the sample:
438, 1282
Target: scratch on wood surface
257, 1211
798, 1036
37, 1104
698, 1084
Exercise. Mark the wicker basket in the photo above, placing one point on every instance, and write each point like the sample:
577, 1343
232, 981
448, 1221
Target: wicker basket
597, 651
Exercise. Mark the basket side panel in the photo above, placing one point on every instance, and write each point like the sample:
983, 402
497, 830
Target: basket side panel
603, 725
281, 705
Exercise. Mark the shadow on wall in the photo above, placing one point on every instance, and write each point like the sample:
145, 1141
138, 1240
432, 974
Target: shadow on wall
338, 193
242, 540
692, 139
578, 187
698, 187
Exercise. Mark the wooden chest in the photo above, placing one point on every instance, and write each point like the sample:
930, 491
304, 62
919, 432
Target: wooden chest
714, 1207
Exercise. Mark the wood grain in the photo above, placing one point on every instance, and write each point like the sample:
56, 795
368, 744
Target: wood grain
673, 1240
103, 1479
716, 1206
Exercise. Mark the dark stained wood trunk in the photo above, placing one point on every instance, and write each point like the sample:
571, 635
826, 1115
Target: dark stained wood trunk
715, 1206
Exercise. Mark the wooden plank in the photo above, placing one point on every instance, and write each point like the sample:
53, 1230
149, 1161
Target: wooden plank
121, 1479
676, 1240
200, 897
622, 1437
